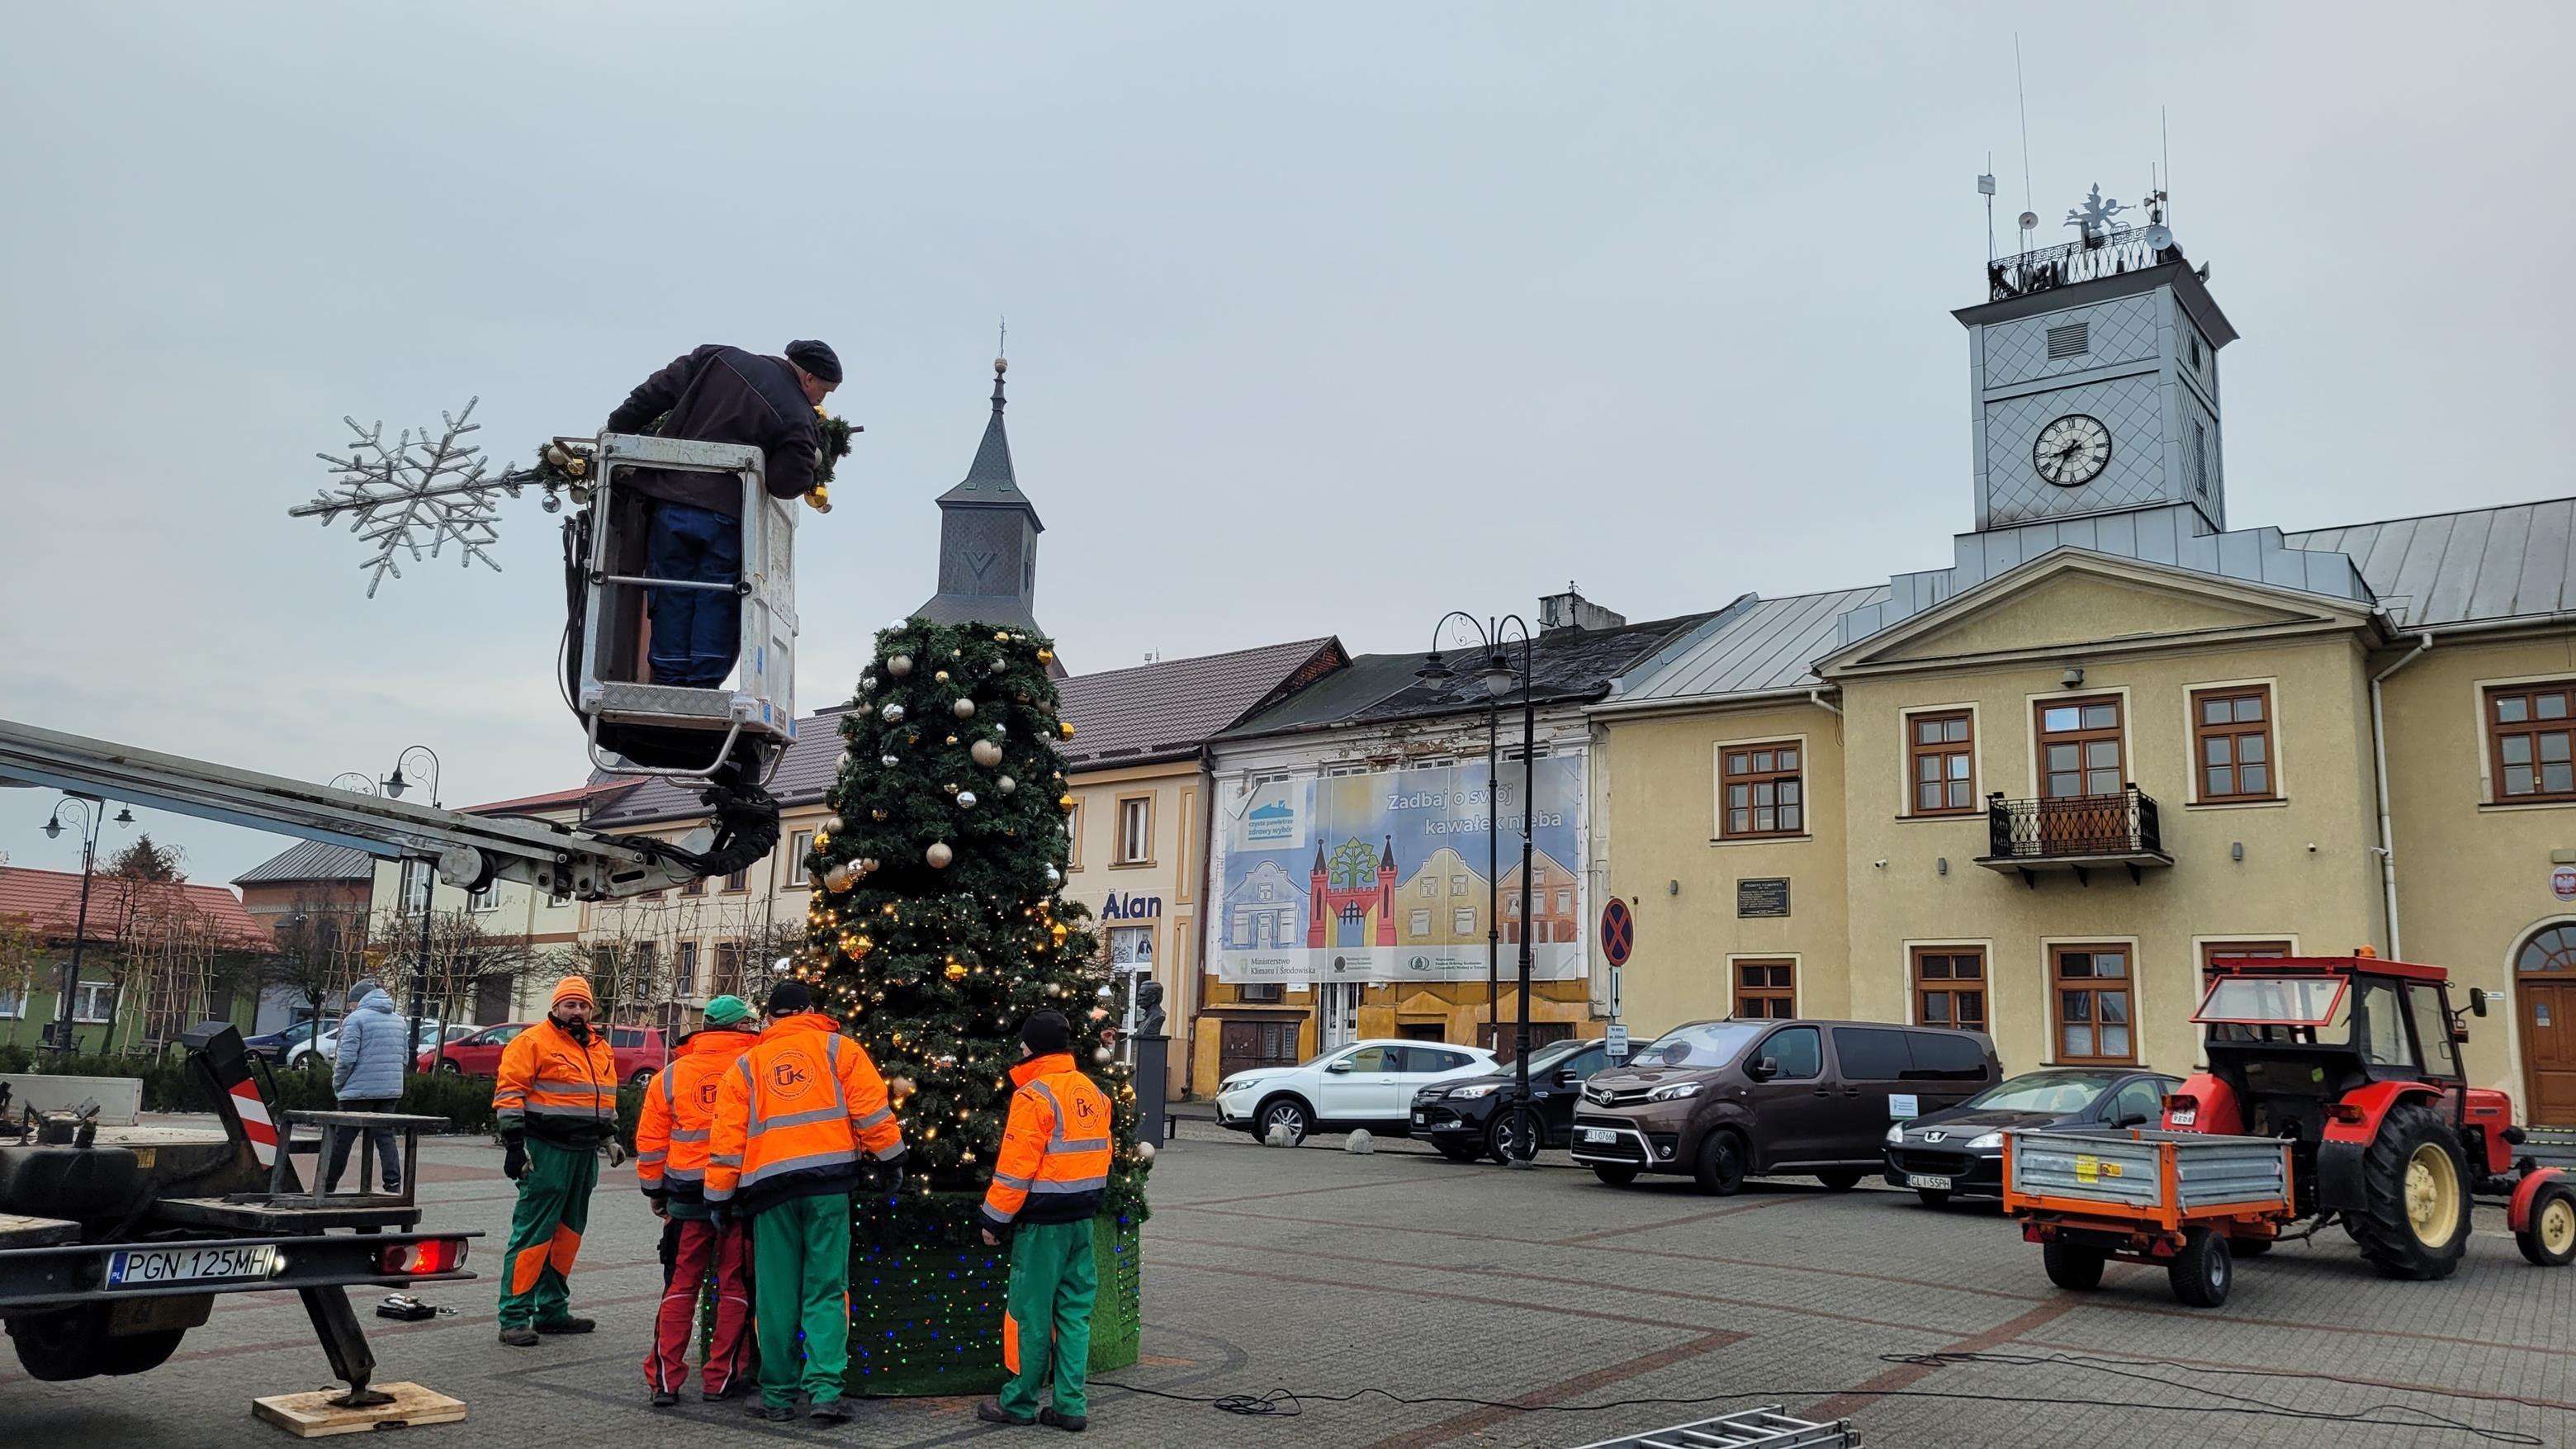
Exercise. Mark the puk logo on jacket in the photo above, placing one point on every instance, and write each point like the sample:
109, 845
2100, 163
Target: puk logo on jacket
707, 1092
789, 1077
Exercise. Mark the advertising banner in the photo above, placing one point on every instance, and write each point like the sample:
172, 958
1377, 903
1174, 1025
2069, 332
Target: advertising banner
1383, 876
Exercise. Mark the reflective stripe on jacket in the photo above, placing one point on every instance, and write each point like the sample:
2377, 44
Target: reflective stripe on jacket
558, 1088
1054, 1166
793, 1115
678, 1120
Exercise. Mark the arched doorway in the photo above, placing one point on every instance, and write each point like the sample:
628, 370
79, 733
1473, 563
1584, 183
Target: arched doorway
2544, 1005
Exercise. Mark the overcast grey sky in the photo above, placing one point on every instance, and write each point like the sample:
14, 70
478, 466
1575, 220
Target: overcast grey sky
1324, 318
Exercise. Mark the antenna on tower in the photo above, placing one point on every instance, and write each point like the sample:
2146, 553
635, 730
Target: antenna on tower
2164, 141
1986, 189
2021, 98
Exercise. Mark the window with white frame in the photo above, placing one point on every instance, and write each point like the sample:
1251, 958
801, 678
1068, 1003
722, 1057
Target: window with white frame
412, 896
1430, 887
486, 899
1136, 830
1463, 921
13, 1004
799, 845
94, 1002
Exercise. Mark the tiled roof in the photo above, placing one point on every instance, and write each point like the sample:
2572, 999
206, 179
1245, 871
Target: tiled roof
1568, 665
1168, 709
1120, 717
49, 900
2482, 566
1750, 648
311, 860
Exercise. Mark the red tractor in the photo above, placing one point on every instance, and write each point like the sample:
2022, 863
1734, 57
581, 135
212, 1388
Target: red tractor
2356, 1062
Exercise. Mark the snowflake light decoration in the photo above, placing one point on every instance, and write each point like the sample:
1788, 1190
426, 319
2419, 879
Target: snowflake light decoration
423, 489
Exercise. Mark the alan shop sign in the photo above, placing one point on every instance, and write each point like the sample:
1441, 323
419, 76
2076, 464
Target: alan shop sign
1131, 908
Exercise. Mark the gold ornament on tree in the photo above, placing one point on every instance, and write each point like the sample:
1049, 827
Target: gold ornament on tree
939, 855
986, 753
899, 666
963, 709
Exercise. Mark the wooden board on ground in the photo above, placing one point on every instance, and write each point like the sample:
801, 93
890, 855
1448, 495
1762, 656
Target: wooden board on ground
314, 1416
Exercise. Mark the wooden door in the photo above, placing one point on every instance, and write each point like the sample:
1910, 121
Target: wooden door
2547, 1010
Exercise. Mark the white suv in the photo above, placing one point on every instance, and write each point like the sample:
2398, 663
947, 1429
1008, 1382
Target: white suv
1366, 1084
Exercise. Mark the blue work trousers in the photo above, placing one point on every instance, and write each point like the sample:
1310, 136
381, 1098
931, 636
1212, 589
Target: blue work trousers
696, 632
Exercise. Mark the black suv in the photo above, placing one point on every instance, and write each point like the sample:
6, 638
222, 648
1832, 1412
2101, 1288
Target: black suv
1460, 1117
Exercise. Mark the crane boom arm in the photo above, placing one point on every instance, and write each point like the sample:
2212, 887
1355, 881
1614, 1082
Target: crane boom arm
472, 850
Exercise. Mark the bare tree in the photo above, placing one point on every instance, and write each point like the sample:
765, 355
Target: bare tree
321, 948
462, 958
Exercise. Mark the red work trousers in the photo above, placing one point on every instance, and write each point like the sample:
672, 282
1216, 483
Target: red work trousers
702, 1248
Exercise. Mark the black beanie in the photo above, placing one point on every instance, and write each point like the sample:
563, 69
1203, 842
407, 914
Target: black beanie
1046, 1031
817, 358
789, 997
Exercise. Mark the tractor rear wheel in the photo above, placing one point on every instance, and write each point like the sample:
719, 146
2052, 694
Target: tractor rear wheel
2073, 1265
2203, 1271
2413, 1219
2549, 1240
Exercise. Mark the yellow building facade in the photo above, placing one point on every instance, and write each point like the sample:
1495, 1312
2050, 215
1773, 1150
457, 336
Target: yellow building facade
2037, 792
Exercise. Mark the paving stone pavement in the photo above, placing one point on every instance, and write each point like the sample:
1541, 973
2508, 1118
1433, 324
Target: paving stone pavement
1326, 1272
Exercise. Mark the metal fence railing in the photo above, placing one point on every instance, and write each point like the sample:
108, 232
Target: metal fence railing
2093, 825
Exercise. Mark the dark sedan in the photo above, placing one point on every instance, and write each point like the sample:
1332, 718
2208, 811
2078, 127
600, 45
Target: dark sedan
1460, 1119
1960, 1150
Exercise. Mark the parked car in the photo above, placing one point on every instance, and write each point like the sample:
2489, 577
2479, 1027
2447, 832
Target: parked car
1722, 1100
478, 1052
1366, 1084
1460, 1117
637, 1050
1961, 1149
317, 1052
274, 1045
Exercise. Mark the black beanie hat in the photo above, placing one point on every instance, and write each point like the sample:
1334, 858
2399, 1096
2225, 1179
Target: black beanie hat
817, 358
789, 997
1046, 1031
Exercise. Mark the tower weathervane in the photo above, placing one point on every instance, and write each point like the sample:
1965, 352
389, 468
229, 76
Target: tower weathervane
2095, 217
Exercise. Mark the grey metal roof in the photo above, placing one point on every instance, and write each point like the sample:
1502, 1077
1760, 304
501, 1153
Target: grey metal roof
1167, 709
1568, 664
990, 481
1750, 649
2481, 566
311, 860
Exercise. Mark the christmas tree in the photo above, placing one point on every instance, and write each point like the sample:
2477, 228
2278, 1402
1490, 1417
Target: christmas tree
936, 928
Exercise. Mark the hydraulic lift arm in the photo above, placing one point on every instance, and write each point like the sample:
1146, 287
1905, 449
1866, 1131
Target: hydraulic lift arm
471, 850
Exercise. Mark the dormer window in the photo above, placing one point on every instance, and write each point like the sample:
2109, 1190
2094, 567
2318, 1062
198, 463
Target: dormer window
2074, 339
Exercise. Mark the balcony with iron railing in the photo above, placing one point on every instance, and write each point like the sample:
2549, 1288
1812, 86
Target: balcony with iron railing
2089, 258
2074, 834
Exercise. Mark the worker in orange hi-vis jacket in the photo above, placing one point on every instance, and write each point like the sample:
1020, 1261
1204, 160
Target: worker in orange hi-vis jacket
672, 1144
793, 1117
555, 1102
1047, 1187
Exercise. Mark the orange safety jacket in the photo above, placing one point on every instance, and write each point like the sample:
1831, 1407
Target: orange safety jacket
678, 1120
793, 1114
555, 1088
1054, 1166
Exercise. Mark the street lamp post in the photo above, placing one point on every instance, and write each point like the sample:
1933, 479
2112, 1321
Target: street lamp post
394, 785
1498, 676
91, 820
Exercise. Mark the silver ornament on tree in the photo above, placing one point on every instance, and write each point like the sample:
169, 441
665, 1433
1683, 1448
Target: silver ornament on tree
1055, 877
966, 798
1144, 1152
1006, 784
829, 825
963, 709
1100, 1055
939, 855
899, 666
889, 761
985, 752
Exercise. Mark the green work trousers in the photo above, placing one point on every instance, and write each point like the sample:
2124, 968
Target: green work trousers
545, 1233
800, 1249
1053, 1283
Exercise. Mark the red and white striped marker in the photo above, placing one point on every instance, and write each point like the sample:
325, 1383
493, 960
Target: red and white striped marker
255, 1121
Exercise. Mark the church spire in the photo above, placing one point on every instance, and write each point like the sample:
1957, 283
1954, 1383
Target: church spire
988, 536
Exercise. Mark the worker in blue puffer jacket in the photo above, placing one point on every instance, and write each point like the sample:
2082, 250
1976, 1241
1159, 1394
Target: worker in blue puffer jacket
367, 1076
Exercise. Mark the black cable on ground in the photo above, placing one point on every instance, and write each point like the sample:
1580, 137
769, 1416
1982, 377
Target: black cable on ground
1289, 1403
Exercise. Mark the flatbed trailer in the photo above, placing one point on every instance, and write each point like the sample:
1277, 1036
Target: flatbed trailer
115, 1241
2187, 1202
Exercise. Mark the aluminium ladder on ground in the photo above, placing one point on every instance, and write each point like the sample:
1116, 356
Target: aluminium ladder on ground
1764, 1428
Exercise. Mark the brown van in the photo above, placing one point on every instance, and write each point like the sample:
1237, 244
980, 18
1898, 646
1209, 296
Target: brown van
1721, 1100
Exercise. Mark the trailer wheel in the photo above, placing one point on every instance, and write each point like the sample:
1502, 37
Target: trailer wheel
2072, 1265
2550, 1239
73, 1343
2203, 1271
2413, 1219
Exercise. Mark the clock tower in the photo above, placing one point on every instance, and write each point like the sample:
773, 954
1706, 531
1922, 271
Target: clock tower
2093, 370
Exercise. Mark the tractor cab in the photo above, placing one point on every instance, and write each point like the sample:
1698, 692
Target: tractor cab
2290, 1037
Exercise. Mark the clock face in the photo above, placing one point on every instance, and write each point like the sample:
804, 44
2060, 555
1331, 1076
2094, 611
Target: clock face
2071, 450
